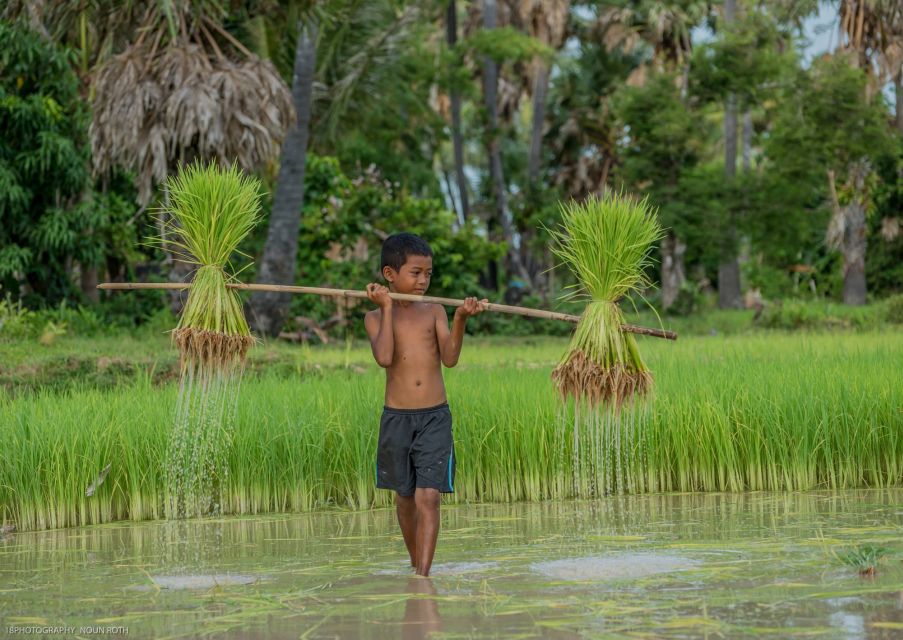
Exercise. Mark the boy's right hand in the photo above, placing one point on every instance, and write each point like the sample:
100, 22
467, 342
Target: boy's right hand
379, 295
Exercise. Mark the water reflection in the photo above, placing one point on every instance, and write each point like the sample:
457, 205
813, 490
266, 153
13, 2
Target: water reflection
421, 612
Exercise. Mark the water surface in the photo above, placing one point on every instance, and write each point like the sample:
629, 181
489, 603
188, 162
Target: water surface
657, 566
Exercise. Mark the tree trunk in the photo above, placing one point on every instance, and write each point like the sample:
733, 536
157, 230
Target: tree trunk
277, 264
540, 89
746, 150
451, 32
729, 268
898, 87
490, 88
854, 245
846, 231
89, 282
673, 275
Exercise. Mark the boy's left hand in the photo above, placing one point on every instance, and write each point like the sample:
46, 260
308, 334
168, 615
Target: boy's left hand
471, 307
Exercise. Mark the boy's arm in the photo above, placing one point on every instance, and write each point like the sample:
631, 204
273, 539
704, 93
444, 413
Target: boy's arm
450, 342
379, 326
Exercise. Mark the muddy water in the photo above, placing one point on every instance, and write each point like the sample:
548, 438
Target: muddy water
659, 566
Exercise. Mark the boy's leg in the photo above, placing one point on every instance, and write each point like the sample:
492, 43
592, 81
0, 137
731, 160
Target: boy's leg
427, 501
406, 509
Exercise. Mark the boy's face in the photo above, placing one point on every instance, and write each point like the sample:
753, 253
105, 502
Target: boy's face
413, 277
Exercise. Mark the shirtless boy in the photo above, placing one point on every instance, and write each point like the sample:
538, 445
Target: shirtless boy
411, 340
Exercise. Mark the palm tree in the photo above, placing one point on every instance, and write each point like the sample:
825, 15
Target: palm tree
451, 30
184, 88
170, 84
729, 266
277, 263
490, 91
345, 63
545, 21
874, 30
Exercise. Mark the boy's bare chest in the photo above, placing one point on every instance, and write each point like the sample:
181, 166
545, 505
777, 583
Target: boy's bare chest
415, 332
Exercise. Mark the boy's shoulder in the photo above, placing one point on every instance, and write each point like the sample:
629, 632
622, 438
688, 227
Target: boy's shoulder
372, 316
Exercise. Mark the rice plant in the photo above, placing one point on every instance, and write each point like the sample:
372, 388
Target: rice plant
606, 243
864, 558
210, 210
786, 413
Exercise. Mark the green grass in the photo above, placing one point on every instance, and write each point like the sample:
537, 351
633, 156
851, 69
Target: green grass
766, 411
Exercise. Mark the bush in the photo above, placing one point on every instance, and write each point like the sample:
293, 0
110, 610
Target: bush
800, 314
894, 313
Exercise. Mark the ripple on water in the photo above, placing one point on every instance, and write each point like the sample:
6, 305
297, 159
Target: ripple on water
201, 581
443, 569
611, 567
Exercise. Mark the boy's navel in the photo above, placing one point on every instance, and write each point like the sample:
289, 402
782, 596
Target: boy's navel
418, 383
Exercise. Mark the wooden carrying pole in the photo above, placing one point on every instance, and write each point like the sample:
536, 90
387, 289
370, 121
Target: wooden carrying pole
351, 293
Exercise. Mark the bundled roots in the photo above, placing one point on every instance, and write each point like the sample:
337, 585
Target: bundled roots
583, 379
602, 365
200, 347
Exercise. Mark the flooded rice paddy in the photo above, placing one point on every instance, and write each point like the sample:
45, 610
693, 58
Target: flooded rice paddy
656, 566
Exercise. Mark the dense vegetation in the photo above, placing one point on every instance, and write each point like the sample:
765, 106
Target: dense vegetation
777, 177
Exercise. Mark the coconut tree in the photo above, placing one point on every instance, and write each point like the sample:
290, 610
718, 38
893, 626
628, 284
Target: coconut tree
349, 63
493, 145
184, 88
874, 32
277, 263
546, 22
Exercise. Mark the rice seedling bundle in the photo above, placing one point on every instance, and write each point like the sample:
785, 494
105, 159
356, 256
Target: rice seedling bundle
605, 241
210, 210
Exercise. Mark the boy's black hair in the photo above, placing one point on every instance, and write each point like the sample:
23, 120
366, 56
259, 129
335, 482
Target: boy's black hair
397, 248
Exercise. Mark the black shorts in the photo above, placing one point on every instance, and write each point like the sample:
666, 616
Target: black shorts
416, 450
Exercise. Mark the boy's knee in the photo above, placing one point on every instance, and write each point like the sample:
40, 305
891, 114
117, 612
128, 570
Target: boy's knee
427, 498
404, 500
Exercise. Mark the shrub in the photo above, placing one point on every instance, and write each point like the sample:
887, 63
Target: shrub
894, 313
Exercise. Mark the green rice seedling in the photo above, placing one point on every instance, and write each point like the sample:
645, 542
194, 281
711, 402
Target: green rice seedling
864, 558
605, 242
784, 416
210, 210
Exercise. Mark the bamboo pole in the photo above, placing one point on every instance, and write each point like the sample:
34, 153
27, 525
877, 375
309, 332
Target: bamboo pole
352, 293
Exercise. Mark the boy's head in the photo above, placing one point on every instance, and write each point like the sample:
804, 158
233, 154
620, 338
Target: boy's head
407, 263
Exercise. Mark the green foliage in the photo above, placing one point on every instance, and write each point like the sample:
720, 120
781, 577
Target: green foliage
42, 165
820, 315
884, 265
662, 136
747, 59
895, 309
825, 122
344, 221
18, 323
660, 151
505, 44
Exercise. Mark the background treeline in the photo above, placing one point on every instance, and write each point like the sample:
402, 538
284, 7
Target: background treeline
778, 177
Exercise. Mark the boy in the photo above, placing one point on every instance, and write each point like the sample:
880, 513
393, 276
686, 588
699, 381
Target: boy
411, 340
